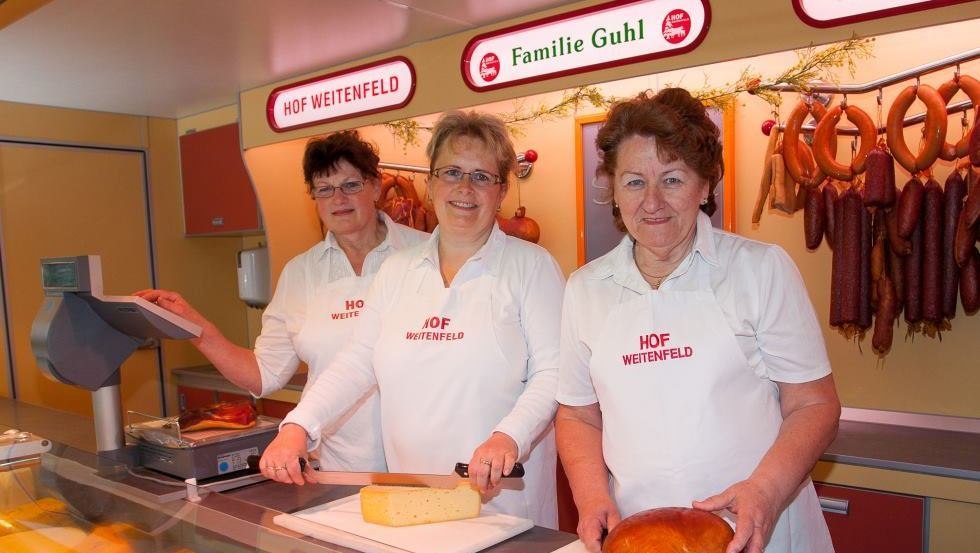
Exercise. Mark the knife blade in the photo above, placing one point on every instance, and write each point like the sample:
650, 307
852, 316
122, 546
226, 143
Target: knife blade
451, 480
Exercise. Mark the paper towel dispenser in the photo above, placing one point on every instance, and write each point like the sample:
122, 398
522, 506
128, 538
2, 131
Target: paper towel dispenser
253, 276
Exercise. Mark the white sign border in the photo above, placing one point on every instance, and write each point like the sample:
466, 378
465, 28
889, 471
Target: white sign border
276, 92
486, 87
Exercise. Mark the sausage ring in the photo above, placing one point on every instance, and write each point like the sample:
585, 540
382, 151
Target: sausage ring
791, 135
934, 133
970, 87
825, 156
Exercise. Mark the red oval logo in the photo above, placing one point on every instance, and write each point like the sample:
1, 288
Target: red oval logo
490, 66
676, 26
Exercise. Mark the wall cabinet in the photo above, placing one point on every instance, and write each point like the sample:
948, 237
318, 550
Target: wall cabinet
862, 520
218, 195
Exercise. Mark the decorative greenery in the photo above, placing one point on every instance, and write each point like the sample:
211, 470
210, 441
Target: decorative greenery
811, 65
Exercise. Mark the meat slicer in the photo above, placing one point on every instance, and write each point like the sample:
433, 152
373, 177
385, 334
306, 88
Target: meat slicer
81, 336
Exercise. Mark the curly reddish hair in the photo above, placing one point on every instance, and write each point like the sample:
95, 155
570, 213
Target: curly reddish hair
680, 125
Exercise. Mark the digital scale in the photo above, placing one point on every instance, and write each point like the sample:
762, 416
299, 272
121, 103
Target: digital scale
81, 337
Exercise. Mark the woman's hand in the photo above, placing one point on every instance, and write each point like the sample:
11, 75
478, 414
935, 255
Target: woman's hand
175, 303
280, 462
756, 513
491, 460
594, 520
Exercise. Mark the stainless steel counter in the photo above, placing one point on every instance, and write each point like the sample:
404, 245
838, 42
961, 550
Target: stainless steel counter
152, 508
919, 450
887, 446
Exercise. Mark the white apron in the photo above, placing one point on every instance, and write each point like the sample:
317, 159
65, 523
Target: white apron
451, 383
353, 443
684, 416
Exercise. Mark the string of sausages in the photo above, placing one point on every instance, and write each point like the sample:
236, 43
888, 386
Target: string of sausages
911, 251
401, 202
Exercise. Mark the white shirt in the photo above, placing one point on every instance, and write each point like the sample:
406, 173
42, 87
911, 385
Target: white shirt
325, 262
758, 287
528, 285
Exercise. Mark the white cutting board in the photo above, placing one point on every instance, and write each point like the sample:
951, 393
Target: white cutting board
340, 522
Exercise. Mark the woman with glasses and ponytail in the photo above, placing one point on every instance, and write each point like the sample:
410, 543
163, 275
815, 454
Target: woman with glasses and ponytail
319, 296
460, 334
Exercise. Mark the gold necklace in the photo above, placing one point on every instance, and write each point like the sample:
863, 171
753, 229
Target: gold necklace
658, 279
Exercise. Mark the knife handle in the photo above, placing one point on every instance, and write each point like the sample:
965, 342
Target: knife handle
463, 470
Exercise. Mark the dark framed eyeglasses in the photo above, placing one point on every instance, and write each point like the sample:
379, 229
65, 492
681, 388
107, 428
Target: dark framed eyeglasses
349, 188
455, 175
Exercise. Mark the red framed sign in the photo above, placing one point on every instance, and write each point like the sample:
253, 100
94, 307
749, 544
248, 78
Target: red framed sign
371, 88
833, 13
597, 37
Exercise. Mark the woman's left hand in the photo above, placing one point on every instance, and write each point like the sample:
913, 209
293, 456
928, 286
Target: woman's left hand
491, 460
756, 513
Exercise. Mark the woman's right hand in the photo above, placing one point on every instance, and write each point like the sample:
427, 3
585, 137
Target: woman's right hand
280, 461
173, 302
594, 521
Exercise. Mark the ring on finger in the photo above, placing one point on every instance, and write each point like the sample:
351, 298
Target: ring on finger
486, 461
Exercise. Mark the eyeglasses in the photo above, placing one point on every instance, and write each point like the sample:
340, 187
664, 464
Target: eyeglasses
454, 175
349, 188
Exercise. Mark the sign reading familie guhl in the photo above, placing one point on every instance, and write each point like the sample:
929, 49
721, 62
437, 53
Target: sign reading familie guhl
610, 34
371, 88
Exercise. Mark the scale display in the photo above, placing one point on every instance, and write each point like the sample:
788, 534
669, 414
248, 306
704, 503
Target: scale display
60, 275
68, 274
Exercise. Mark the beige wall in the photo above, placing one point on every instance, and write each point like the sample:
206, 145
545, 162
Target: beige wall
920, 374
738, 29
202, 268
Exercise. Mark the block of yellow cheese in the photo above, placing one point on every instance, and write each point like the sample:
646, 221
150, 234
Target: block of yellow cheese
405, 506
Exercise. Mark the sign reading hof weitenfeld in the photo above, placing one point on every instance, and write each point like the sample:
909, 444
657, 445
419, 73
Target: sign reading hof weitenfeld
379, 86
610, 34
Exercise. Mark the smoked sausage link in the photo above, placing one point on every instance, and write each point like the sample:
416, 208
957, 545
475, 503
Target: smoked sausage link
934, 132
879, 179
813, 218
851, 232
913, 279
909, 207
971, 209
899, 246
971, 87
879, 242
932, 252
864, 299
791, 135
830, 198
970, 283
953, 193
834, 213
896, 270
881, 340
825, 156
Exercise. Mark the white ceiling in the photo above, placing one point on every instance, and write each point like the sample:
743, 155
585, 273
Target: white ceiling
174, 58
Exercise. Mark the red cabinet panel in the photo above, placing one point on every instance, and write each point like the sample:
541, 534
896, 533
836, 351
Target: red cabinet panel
218, 195
874, 520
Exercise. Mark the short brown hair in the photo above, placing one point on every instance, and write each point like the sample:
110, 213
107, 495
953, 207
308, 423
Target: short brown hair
488, 128
680, 125
323, 153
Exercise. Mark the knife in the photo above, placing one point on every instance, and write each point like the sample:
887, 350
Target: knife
451, 480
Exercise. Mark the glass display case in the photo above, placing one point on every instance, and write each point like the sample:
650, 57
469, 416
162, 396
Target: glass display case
59, 498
